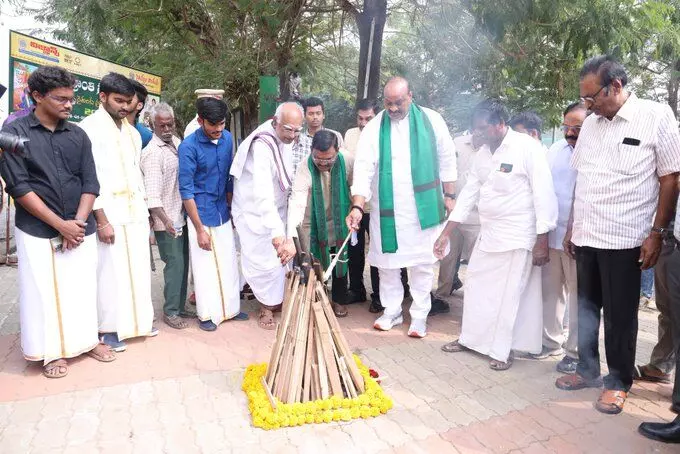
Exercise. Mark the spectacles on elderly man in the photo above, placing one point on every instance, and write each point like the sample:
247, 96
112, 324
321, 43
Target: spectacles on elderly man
591, 99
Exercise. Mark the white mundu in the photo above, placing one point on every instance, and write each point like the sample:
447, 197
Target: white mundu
262, 183
57, 298
513, 191
215, 274
123, 273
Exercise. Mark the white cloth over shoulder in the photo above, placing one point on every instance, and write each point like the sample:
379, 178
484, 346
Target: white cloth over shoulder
57, 298
415, 245
216, 275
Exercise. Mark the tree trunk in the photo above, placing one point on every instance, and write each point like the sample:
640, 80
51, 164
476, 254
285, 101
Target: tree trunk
374, 12
674, 87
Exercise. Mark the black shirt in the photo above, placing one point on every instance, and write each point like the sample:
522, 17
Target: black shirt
57, 166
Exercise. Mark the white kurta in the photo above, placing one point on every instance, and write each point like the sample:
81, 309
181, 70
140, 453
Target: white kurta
514, 192
259, 209
57, 298
415, 245
192, 126
123, 273
216, 280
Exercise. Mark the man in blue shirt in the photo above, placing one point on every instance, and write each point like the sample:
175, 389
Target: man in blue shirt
138, 102
204, 161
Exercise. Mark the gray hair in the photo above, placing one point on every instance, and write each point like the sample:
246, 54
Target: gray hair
161, 108
279, 110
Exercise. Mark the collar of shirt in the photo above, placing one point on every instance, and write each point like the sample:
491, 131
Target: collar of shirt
34, 122
158, 142
627, 111
202, 137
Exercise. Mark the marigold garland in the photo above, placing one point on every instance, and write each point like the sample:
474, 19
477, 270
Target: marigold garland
371, 403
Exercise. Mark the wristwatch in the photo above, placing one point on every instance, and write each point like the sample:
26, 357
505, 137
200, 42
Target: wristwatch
450, 195
659, 230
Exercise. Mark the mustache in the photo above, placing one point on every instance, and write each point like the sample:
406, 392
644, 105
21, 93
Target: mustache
571, 137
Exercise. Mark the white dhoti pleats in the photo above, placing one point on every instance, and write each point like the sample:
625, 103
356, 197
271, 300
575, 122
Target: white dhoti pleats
502, 304
216, 275
261, 266
124, 282
57, 298
420, 279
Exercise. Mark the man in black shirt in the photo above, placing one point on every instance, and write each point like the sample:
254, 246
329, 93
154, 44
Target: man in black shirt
55, 184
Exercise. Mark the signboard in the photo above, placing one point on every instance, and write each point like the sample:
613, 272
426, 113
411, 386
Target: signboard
27, 53
269, 93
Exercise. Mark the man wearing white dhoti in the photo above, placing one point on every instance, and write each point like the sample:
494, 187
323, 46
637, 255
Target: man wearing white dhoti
123, 274
55, 184
406, 167
511, 185
262, 182
204, 161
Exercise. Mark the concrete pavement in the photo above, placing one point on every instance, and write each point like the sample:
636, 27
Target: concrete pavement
180, 393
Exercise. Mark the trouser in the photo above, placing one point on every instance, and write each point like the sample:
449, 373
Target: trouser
672, 265
663, 356
421, 278
174, 253
462, 241
559, 292
608, 281
375, 275
338, 284
357, 258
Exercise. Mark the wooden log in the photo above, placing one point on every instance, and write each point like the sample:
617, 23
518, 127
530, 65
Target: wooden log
268, 391
309, 359
340, 340
321, 363
282, 329
327, 346
316, 386
300, 352
290, 346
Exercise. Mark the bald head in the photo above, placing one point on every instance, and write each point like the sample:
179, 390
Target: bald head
288, 121
397, 98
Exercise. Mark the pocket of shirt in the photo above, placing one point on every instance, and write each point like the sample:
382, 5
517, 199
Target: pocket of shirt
503, 182
632, 159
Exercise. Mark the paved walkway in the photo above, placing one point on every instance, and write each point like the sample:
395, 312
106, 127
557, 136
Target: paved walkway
180, 393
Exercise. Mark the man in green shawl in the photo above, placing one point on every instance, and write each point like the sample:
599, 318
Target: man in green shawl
406, 167
319, 202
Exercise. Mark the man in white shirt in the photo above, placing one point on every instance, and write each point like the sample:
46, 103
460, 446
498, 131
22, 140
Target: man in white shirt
463, 238
559, 275
406, 167
123, 274
510, 183
262, 183
527, 122
193, 125
628, 159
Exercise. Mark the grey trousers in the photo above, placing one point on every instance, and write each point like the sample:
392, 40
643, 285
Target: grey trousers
663, 354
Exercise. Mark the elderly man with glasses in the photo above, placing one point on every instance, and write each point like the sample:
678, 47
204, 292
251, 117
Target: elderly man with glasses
627, 158
262, 172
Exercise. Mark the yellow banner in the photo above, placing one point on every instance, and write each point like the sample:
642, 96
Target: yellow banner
40, 52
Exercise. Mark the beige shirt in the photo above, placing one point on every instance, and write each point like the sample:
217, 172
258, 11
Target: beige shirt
465, 154
160, 166
301, 198
351, 141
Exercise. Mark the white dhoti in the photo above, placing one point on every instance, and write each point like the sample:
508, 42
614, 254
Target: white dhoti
261, 266
124, 282
216, 276
420, 279
502, 304
57, 298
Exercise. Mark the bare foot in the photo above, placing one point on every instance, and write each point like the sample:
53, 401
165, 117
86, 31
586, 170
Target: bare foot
56, 369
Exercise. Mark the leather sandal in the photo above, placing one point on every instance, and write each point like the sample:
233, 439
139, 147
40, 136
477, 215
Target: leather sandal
573, 382
611, 401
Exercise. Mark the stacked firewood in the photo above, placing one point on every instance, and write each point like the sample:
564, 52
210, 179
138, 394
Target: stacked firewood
310, 359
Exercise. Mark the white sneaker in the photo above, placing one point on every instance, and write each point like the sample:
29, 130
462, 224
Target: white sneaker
417, 329
386, 322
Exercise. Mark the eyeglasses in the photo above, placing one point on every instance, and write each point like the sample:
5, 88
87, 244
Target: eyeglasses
324, 162
62, 100
591, 99
566, 128
292, 129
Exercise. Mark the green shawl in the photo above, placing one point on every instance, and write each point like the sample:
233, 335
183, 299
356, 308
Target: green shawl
427, 187
340, 202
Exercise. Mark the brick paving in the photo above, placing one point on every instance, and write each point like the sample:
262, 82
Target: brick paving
180, 393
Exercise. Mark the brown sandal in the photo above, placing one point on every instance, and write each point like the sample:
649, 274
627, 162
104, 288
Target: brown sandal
650, 374
454, 347
266, 320
339, 311
573, 382
102, 358
611, 401
496, 365
54, 369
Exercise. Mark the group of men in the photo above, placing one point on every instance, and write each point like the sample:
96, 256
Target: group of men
548, 234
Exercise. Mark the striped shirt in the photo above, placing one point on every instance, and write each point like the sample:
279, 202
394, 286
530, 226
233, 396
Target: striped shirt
619, 163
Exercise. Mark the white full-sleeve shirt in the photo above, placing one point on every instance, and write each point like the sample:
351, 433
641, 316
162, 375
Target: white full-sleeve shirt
415, 245
513, 191
564, 180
